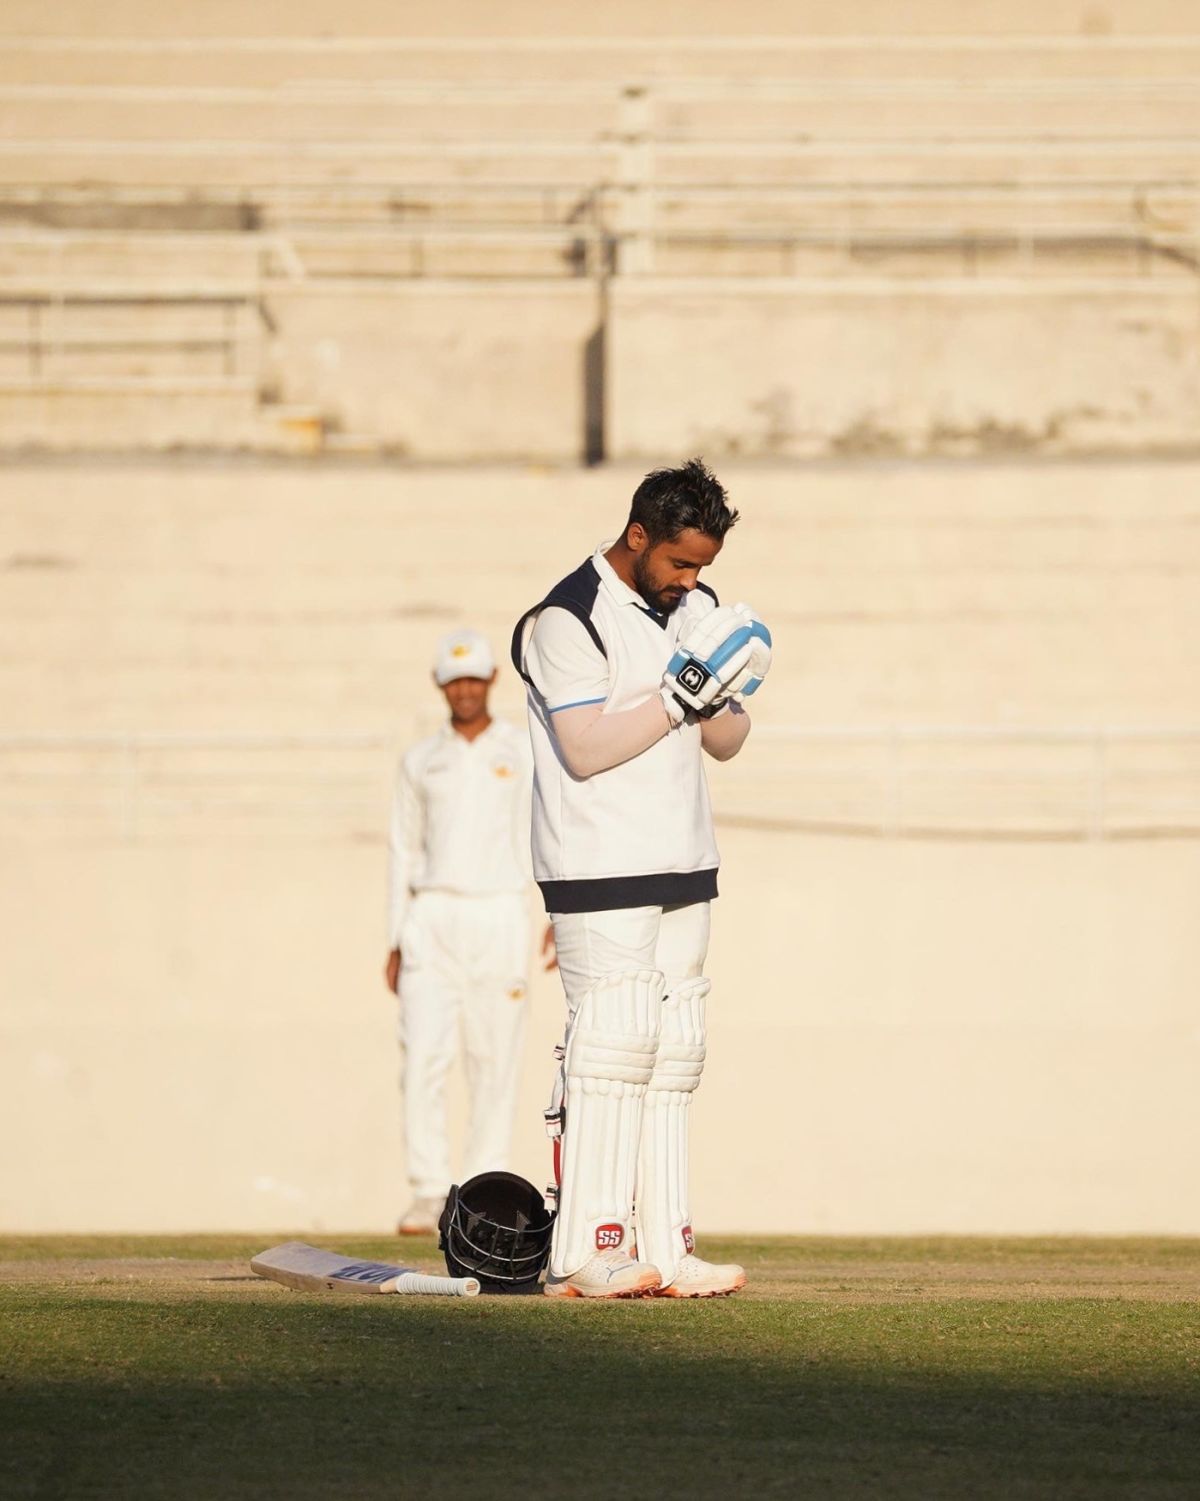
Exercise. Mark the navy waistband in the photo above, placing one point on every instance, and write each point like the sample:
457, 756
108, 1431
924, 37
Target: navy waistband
608, 893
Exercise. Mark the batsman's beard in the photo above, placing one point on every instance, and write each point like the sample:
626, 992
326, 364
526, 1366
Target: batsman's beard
663, 601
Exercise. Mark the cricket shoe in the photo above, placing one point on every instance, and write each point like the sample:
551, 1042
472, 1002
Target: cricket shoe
607, 1274
697, 1278
421, 1217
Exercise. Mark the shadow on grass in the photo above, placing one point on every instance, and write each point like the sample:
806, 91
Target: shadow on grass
313, 1397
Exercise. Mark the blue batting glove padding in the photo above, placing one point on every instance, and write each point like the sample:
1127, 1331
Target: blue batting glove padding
754, 631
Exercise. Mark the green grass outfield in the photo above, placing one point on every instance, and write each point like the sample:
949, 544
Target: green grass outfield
160, 1368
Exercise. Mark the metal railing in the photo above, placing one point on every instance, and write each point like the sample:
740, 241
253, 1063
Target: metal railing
253, 194
235, 272
74, 307
934, 781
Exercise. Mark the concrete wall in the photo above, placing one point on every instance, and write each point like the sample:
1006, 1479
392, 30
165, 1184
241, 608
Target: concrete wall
906, 1035
182, 598
784, 370
442, 370
744, 368
99, 415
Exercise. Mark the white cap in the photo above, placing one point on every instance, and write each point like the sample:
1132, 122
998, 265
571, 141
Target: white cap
463, 654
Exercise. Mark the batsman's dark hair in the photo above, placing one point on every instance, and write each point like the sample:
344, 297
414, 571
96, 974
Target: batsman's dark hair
670, 501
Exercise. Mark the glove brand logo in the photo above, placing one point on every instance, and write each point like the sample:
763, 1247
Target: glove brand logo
609, 1237
689, 1240
693, 677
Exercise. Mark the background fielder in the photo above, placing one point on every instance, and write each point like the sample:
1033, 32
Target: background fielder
459, 925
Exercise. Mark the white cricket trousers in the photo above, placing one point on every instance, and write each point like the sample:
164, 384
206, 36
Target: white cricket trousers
606, 1155
464, 975
590, 945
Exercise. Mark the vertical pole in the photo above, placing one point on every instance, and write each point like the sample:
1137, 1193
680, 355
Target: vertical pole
595, 357
635, 171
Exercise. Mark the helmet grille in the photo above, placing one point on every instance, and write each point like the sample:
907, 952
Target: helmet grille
496, 1227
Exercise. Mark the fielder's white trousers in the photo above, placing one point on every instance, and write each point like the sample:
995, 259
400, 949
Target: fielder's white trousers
464, 975
673, 940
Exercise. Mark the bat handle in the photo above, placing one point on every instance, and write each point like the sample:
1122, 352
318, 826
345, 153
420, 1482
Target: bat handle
418, 1285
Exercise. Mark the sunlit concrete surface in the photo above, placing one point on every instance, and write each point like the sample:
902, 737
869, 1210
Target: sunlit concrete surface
951, 991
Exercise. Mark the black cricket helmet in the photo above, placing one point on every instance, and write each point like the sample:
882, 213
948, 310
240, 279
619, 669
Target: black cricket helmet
496, 1227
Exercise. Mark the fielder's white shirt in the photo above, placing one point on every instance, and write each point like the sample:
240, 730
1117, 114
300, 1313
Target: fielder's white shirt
460, 818
640, 833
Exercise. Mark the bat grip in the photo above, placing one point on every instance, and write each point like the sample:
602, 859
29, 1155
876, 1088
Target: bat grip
418, 1285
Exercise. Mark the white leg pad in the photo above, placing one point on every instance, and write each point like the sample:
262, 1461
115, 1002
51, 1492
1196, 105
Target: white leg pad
663, 1203
611, 1046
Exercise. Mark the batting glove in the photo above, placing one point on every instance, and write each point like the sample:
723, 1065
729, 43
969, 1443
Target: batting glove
722, 656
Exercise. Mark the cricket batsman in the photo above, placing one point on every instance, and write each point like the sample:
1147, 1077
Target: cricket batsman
633, 669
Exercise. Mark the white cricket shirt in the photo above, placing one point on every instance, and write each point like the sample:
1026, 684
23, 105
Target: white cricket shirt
641, 833
460, 817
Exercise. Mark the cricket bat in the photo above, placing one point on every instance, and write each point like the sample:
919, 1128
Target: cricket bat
310, 1269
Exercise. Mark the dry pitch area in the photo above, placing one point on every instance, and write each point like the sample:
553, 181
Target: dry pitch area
160, 1368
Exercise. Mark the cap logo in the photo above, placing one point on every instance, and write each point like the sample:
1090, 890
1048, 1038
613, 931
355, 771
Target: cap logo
460, 650
609, 1237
